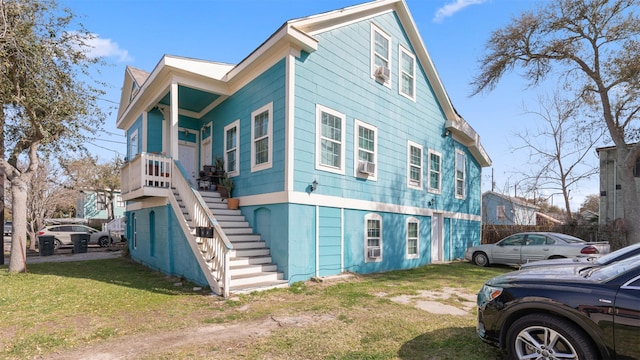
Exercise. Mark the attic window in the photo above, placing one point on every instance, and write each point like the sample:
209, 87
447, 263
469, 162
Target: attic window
380, 55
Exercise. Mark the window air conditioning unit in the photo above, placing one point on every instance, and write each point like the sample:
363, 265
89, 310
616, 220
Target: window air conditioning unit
383, 73
374, 252
366, 167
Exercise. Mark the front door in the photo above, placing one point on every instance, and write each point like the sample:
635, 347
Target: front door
188, 158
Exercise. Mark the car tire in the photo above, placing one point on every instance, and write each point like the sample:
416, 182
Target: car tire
104, 241
532, 334
57, 244
480, 259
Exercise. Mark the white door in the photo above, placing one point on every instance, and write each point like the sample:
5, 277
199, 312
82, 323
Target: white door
437, 226
206, 153
188, 158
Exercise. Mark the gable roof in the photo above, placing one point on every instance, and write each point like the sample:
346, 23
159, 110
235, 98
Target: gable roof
513, 200
298, 35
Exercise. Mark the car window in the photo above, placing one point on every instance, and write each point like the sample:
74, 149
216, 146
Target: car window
80, 229
65, 228
569, 238
536, 239
513, 240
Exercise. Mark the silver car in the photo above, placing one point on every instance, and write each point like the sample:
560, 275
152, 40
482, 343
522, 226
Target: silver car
620, 254
532, 246
62, 234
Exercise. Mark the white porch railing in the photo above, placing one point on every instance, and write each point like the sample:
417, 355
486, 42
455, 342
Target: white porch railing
213, 253
146, 170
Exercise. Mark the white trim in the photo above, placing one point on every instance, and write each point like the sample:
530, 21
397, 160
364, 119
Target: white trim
375, 29
437, 190
257, 167
375, 217
356, 146
417, 222
317, 230
319, 166
236, 172
403, 50
464, 176
289, 122
410, 184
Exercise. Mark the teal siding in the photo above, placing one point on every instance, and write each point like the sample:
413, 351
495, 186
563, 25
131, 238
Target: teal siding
168, 250
136, 126
337, 76
464, 233
266, 88
329, 241
154, 131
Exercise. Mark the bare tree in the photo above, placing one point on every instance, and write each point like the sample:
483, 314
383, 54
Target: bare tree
591, 203
559, 150
47, 106
46, 197
87, 174
595, 46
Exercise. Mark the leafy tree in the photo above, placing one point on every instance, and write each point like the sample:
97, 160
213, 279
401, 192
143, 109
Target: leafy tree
593, 46
558, 150
48, 106
87, 174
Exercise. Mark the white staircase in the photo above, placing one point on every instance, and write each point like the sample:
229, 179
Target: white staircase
251, 267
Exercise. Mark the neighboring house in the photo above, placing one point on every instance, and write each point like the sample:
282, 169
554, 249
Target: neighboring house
611, 207
92, 205
499, 209
344, 148
548, 219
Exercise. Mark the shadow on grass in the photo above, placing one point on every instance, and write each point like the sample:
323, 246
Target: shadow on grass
449, 343
117, 271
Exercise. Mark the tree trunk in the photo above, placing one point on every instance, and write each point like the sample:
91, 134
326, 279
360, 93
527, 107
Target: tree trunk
18, 259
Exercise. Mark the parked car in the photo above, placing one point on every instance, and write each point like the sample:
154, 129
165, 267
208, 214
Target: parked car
62, 234
8, 228
571, 312
620, 254
524, 247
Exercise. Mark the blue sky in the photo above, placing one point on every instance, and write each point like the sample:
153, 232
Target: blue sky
139, 32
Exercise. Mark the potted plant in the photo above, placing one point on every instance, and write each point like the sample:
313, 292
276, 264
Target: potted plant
232, 203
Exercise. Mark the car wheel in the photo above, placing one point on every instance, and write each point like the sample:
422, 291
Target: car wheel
548, 337
57, 244
480, 259
103, 241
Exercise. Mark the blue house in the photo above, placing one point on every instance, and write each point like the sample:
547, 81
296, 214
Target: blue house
499, 209
345, 152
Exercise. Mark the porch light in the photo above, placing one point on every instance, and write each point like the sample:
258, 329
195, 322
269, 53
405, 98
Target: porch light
314, 185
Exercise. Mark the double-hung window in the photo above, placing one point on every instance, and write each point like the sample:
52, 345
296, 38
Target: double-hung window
380, 55
330, 142
373, 237
414, 165
407, 74
413, 238
231, 148
460, 174
262, 138
435, 172
366, 140
133, 144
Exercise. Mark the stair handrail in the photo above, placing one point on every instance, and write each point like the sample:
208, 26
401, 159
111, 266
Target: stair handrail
216, 248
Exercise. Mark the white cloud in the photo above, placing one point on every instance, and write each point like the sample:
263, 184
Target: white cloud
452, 8
97, 47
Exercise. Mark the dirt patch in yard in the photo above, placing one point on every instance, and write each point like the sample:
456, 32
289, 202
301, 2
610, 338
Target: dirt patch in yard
227, 337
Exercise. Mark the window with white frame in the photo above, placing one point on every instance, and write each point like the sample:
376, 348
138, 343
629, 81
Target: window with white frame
414, 165
373, 237
435, 172
460, 174
119, 201
231, 148
101, 201
501, 214
330, 142
380, 55
366, 140
262, 138
407, 74
133, 144
413, 236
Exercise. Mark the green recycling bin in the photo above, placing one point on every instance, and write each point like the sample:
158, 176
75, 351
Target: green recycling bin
80, 243
46, 245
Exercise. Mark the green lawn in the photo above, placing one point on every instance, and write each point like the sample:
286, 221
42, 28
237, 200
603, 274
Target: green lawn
64, 306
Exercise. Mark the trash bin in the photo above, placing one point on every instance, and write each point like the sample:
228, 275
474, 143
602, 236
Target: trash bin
80, 243
46, 245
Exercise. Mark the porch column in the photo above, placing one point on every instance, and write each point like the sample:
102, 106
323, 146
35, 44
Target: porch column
173, 138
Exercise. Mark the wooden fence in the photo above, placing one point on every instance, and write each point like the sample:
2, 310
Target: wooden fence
494, 233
